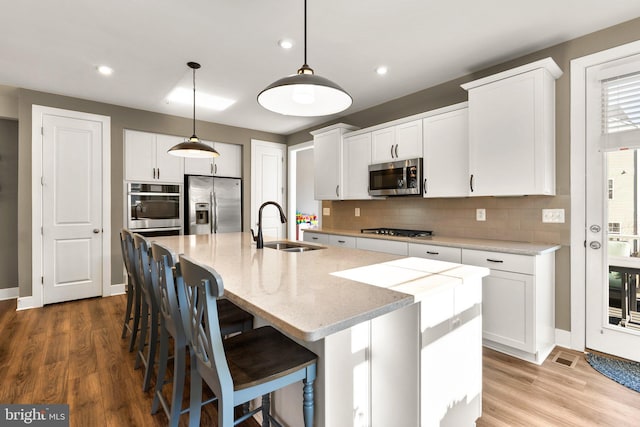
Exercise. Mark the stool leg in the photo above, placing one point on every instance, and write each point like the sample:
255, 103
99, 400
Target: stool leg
195, 403
151, 354
143, 333
162, 368
307, 402
179, 367
127, 314
266, 406
136, 318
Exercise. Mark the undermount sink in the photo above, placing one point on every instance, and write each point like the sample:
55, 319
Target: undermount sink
291, 246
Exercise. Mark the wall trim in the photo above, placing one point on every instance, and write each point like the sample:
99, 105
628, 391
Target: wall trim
37, 117
117, 289
563, 338
8, 293
578, 185
25, 303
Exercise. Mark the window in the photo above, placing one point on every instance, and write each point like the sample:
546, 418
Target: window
614, 228
620, 99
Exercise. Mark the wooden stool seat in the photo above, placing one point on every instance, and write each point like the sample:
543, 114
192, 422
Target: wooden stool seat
232, 318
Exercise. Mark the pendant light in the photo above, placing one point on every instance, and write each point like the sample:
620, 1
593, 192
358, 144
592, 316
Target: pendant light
304, 94
193, 147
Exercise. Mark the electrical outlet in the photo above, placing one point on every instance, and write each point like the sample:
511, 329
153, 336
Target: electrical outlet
481, 215
553, 215
357, 212
326, 211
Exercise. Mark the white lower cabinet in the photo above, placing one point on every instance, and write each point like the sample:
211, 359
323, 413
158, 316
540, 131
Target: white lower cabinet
387, 246
518, 302
440, 253
344, 241
322, 239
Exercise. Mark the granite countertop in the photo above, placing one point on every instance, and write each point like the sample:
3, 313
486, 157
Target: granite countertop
518, 248
313, 294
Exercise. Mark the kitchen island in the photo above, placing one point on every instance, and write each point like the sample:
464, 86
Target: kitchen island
398, 339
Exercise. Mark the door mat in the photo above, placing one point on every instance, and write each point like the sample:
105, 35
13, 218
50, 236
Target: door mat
624, 372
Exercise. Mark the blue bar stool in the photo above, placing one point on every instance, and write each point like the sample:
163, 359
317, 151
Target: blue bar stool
167, 283
242, 367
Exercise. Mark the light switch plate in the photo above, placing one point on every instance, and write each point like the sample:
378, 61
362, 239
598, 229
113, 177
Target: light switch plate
481, 215
357, 212
326, 211
553, 215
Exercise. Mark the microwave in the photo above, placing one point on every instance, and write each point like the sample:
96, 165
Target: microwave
399, 178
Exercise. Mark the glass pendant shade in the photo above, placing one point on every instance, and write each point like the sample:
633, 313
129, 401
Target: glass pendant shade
193, 147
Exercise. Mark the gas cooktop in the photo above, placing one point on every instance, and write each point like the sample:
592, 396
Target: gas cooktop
397, 232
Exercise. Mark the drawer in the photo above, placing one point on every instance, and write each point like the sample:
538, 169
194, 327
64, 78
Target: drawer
322, 239
344, 241
386, 246
441, 253
499, 261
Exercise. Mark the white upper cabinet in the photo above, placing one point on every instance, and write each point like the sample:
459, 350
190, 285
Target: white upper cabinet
229, 164
399, 142
512, 131
146, 158
446, 154
327, 161
356, 157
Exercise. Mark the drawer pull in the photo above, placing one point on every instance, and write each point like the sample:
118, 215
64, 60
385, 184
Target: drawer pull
341, 241
433, 253
314, 238
494, 260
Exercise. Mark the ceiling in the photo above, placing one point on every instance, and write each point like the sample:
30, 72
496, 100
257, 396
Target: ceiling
55, 46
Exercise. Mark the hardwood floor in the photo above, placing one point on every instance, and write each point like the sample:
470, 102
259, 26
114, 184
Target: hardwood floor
72, 353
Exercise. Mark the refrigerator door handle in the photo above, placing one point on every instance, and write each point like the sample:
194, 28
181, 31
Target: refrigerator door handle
214, 213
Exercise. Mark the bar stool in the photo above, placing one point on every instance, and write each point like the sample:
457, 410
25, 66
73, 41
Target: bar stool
243, 367
148, 311
167, 282
134, 296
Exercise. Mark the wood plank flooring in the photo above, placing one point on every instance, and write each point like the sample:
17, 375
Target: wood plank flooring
72, 353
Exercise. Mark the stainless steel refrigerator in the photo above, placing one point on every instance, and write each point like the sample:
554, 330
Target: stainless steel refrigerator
214, 205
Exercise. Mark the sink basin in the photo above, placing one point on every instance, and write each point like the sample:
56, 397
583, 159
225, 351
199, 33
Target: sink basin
291, 246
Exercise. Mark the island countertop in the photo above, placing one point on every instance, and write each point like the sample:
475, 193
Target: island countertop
296, 292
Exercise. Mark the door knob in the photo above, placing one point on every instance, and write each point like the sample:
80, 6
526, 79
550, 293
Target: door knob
96, 230
595, 245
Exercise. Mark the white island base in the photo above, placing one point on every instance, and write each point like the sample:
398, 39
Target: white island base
420, 365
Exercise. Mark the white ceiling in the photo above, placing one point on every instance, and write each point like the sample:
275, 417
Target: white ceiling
55, 46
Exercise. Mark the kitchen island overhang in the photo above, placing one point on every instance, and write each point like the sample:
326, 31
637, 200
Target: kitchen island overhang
375, 320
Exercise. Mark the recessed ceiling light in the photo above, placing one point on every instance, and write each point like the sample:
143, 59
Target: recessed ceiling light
285, 44
105, 70
381, 70
183, 95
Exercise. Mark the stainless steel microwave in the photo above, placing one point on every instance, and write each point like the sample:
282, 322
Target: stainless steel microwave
399, 178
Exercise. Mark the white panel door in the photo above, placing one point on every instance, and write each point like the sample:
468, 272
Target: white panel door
72, 208
267, 184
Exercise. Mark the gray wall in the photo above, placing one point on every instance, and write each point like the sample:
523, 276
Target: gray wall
121, 118
450, 93
8, 203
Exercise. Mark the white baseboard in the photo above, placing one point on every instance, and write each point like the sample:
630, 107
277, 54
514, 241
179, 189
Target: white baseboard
25, 303
8, 293
117, 289
563, 338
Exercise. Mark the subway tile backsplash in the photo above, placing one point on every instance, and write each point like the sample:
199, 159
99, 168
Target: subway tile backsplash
507, 218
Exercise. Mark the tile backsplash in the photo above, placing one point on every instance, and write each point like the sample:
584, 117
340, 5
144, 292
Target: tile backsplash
507, 218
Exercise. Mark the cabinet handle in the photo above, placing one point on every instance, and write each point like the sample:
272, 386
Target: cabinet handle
495, 260
215, 169
154, 173
425, 186
211, 164
392, 151
433, 253
396, 151
158, 173
314, 238
341, 241
471, 183
337, 193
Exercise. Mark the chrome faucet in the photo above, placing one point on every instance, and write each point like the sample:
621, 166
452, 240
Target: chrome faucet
258, 238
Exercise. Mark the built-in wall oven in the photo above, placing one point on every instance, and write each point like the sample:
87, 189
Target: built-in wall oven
154, 209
